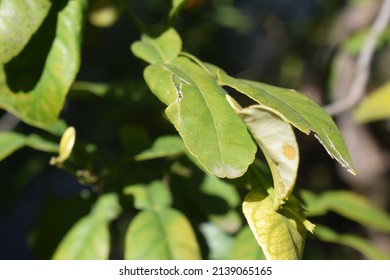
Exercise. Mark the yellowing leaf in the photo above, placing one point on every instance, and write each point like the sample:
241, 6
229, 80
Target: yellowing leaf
375, 107
281, 234
276, 139
19, 20
34, 84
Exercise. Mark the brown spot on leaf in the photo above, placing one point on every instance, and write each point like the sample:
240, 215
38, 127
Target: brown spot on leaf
289, 151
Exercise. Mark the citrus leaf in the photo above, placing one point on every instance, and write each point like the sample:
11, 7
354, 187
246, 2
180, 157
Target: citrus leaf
375, 107
19, 20
13, 141
37, 142
10, 142
300, 111
281, 234
164, 146
34, 84
89, 238
245, 247
163, 234
277, 141
359, 244
197, 107
163, 49
350, 205
152, 196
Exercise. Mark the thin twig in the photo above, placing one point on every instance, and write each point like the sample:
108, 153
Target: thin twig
359, 82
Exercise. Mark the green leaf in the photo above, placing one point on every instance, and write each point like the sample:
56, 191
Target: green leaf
164, 146
297, 109
10, 142
281, 234
197, 107
359, 244
245, 247
34, 84
13, 141
177, 5
375, 107
350, 205
89, 238
37, 142
161, 234
152, 196
163, 49
276, 139
19, 20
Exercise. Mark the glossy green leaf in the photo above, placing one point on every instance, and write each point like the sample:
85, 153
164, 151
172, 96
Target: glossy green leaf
89, 238
164, 146
297, 109
276, 139
177, 5
281, 234
350, 205
375, 107
153, 196
163, 49
10, 142
359, 244
34, 84
197, 107
245, 247
19, 20
161, 234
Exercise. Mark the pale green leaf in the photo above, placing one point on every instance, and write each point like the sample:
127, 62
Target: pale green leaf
89, 238
163, 234
164, 146
375, 107
281, 234
163, 49
218, 241
10, 142
295, 108
153, 196
359, 244
276, 139
37, 142
245, 247
197, 107
19, 20
349, 205
34, 84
